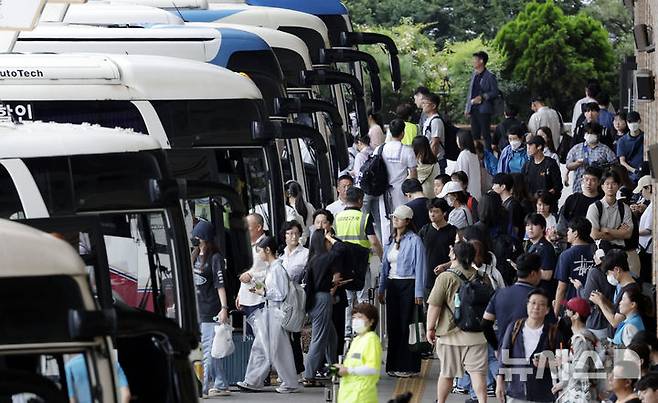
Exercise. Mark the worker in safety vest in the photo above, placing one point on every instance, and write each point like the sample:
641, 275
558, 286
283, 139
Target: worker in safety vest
354, 226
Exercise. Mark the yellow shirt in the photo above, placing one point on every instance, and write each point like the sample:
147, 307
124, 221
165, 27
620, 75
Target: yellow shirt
410, 133
364, 350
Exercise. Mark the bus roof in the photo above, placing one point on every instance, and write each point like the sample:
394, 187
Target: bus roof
315, 7
54, 257
268, 17
118, 14
40, 139
117, 77
168, 3
274, 38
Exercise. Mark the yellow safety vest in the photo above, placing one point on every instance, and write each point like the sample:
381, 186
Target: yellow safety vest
364, 350
351, 227
410, 133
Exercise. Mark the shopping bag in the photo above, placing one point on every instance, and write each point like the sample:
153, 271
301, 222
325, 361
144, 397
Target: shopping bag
222, 343
417, 335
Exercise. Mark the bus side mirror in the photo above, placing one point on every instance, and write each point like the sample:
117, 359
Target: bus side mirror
85, 325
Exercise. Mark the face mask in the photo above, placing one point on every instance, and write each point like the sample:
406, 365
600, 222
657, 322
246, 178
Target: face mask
591, 138
359, 326
450, 200
635, 126
515, 144
612, 280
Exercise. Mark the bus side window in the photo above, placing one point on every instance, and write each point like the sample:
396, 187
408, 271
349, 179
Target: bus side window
10, 202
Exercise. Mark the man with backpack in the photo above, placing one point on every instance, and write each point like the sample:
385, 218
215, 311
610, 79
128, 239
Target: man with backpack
356, 228
525, 375
612, 220
456, 305
385, 170
434, 129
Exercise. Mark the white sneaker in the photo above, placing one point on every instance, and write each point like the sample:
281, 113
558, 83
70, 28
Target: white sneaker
213, 392
283, 389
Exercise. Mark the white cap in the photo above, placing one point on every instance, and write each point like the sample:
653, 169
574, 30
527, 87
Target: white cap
403, 212
450, 187
644, 181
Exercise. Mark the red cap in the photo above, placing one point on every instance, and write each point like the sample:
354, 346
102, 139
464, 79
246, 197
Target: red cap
578, 305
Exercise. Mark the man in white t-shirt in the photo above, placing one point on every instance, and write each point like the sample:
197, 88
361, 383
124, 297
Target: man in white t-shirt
249, 302
434, 129
401, 164
343, 183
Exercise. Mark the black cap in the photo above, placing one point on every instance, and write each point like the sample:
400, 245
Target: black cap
537, 140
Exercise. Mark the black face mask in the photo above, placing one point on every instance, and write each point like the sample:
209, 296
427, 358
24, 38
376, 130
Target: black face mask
195, 242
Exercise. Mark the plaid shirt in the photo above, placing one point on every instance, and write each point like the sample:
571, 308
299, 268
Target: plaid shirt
600, 154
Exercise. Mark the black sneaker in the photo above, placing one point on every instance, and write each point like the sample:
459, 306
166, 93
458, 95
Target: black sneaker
460, 390
491, 391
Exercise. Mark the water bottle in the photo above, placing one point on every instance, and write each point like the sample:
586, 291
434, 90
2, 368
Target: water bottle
457, 305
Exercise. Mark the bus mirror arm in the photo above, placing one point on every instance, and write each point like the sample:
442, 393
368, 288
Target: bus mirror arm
350, 39
286, 106
333, 77
347, 55
85, 325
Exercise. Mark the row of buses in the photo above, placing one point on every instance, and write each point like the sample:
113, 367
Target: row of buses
124, 122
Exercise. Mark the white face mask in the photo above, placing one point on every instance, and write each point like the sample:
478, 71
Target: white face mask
612, 280
635, 126
359, 326
515, 144
450, 200
591, 138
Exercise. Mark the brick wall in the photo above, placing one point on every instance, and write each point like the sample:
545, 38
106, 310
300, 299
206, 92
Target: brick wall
646, 12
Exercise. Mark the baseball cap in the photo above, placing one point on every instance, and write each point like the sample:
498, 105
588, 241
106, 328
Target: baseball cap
537, 140
578, 305
204, 230
403, 212
644, 181
450, 187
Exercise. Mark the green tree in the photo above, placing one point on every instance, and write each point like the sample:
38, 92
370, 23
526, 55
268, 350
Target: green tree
554, 54
617, 19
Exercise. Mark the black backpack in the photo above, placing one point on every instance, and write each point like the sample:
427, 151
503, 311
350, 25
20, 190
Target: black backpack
357, 261
631, 243
471, 300
374, 175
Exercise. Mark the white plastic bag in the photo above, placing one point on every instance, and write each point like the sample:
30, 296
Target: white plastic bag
222, 343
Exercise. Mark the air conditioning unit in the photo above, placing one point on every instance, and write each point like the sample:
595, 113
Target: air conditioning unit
644, 85
644, 38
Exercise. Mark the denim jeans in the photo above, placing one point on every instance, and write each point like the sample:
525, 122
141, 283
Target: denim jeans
213, 376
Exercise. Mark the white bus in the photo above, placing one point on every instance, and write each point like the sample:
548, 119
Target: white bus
229, 47
43, 279
122, 178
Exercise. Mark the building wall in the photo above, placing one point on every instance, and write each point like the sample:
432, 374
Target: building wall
646, 12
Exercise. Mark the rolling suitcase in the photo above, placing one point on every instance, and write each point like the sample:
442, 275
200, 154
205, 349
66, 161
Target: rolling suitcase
235, 365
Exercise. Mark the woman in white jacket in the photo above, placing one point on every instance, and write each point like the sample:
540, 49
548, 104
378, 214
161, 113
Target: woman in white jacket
271, 344
469, 162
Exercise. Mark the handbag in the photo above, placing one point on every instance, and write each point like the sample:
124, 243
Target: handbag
222, 343
417, 335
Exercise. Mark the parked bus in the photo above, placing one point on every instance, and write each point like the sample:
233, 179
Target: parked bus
228, 47
56, 170
50, 320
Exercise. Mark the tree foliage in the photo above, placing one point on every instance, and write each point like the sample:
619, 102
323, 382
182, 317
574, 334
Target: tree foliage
447, 20
618, 21
447, 72
554, 54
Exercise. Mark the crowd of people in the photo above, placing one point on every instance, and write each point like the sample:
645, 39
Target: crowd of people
527, 257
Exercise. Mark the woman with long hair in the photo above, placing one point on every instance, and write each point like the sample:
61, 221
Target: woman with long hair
428, 166
401, 288
272, 343
298, 209
322, 279
469, 163
376, 129
521, 193
212, 302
